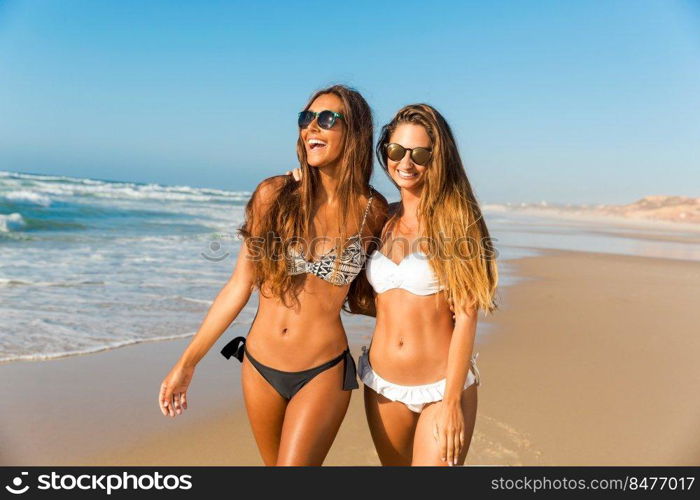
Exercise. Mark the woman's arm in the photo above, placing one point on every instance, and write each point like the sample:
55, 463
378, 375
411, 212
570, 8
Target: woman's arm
237, 291
172, 397
449, 424
225, 308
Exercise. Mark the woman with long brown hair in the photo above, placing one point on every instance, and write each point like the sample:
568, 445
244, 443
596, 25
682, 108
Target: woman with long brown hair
304, 245
433, 272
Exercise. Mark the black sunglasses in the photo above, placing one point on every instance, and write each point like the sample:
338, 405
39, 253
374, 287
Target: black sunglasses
326, 118
419, 156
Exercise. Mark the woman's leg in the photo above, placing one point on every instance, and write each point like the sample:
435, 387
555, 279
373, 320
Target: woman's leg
426, 450
313, 417
265, 409
392, 426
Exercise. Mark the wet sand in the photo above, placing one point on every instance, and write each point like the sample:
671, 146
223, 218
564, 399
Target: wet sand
591, 360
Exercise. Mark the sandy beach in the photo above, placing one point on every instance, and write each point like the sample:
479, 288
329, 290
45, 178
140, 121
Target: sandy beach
142, 143
591, 360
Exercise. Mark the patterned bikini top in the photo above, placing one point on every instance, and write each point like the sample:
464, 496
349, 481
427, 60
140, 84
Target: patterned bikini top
351, 260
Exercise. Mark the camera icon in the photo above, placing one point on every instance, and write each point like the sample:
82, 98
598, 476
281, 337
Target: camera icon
16, 488
217, 248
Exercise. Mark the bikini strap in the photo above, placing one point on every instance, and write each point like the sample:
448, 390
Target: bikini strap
369, 203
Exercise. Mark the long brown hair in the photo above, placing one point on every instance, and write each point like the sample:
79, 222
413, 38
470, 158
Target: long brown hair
289, 217
460, 248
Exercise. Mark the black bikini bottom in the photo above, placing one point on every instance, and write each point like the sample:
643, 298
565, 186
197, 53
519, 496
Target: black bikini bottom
287, 384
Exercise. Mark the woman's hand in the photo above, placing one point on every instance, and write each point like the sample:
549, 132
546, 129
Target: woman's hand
448, 430
296, 173
172, 398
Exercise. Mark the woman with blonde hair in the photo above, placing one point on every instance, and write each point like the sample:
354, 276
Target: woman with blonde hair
304, 245
435, 259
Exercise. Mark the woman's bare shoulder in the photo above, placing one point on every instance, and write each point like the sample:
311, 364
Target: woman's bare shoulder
378, 205
392, 208
378, 199
376, 215
269, 188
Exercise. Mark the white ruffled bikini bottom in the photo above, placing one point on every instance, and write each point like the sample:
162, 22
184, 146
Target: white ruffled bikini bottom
415, 397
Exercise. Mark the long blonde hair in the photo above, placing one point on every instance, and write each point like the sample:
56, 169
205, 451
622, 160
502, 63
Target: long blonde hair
460, 249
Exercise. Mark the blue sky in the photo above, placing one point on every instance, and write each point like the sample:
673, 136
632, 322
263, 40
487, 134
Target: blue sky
576, 101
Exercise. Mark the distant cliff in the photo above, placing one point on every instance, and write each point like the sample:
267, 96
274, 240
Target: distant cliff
671, 208
662, 208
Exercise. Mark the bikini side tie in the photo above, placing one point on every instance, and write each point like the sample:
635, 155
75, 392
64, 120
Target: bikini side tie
234, 348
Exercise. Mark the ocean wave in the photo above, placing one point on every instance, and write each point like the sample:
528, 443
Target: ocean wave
44, 185
138, 192
11, 222
90, 350
18, 282
20, 175
31, 197
34, 224
191, 299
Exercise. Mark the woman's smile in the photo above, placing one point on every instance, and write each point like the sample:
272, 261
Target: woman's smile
316, 144
406, 174
324, 146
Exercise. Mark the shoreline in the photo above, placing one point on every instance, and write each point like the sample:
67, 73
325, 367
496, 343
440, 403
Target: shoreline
589, 361
616, 333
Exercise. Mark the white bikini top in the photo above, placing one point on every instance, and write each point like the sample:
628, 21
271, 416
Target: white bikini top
412, 274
